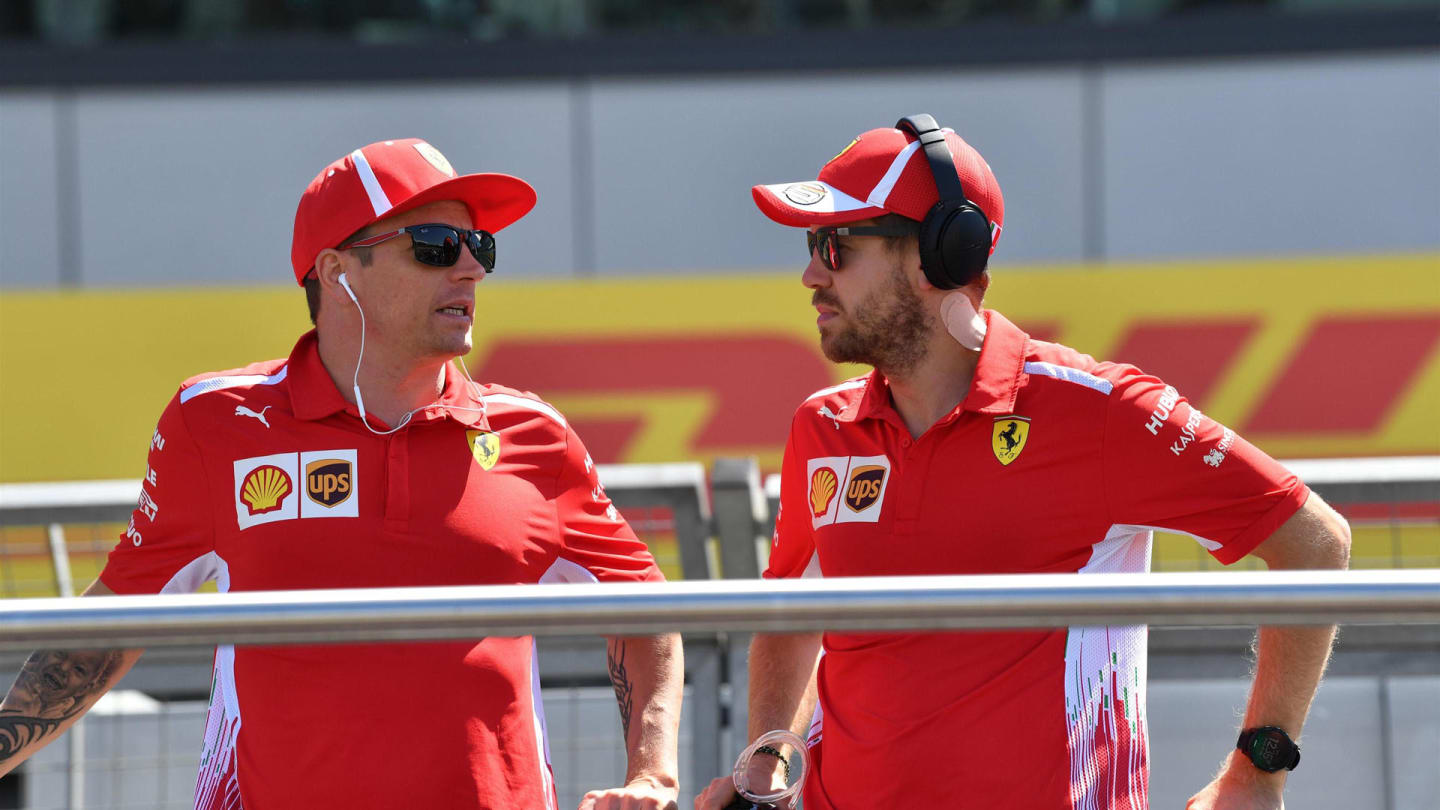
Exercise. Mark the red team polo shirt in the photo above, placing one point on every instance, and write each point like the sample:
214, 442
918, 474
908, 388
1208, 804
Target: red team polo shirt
1052, 463
264, 478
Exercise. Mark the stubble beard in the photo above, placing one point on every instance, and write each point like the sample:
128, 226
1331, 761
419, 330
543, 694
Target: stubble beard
889, 329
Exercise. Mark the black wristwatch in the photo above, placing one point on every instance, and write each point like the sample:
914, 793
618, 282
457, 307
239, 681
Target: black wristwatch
1270, 748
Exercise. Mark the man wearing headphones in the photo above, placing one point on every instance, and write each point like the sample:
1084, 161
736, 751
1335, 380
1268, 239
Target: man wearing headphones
368, 459
974, 449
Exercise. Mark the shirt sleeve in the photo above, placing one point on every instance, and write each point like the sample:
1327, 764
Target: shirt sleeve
169, 544
594, 535
1167, 465
793, 546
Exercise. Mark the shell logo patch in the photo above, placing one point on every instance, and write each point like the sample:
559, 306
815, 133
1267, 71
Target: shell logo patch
865, 477
1008, 437
823, 483
434, 158
484, 446
264, 489
864, 488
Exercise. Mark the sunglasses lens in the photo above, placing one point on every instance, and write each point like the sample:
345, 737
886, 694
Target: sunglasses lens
482, 247
436, 245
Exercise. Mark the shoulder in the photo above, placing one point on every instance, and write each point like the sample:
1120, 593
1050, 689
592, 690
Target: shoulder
1068, 370
505, 405
837, 398
261, 379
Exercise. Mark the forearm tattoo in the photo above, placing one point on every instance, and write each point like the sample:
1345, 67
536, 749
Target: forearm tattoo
620, 679
53, 687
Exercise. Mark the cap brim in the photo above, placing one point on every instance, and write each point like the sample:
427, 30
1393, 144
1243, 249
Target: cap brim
811, 202
494, 200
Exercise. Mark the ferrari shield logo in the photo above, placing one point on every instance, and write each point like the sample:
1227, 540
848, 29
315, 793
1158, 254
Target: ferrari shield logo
484, 446
1008, 437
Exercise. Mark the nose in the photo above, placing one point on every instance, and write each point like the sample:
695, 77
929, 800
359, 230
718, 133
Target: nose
467, 267
816, 274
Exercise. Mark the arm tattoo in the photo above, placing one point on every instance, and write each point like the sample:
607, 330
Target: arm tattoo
53, 687
620, 679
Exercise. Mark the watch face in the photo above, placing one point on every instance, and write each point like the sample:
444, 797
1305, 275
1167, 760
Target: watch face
1268, 750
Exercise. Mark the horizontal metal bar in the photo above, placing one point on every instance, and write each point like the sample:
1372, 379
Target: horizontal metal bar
884, 603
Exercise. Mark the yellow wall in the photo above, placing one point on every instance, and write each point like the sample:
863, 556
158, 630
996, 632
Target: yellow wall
84, 375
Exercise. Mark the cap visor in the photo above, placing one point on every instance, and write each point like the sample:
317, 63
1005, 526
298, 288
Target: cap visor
810, 202
494, 200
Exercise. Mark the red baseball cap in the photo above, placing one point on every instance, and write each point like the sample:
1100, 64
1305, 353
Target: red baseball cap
389, 178
883, 171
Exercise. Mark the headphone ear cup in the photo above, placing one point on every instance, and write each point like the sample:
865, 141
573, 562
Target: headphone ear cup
932, 254
954, 244
965, 243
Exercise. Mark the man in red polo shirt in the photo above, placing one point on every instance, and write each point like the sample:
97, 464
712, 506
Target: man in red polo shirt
367, 459
974, 449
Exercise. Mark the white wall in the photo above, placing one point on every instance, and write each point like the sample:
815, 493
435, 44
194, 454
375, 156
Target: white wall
1195, 159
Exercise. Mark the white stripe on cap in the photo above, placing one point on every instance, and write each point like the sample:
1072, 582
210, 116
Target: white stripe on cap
881, 192
378, 200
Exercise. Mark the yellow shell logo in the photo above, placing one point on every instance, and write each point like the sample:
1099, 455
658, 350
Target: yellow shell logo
264, 489
822, 490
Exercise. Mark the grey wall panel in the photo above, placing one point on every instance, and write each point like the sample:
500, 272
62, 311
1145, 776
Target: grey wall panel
30, 215
1414, 705
1266, 157
675, 159
1193, 725
200, 186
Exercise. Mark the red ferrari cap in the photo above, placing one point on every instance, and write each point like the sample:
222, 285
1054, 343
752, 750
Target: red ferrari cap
388, 178
883, 171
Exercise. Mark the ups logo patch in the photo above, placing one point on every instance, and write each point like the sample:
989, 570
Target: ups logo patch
863, 490
327, 481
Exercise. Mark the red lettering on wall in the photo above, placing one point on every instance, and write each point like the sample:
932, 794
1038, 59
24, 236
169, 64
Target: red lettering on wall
756, 380
1348, 374
1189, 355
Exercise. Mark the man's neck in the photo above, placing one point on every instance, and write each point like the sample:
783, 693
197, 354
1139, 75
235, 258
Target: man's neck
392, 387
923, 395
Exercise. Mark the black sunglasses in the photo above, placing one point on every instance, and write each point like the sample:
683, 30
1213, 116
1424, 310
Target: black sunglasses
439, 245
828, 239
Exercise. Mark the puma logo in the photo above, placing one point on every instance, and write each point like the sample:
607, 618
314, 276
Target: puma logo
241, 410
825, 412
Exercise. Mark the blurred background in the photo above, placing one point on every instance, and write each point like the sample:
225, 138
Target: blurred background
1242, 196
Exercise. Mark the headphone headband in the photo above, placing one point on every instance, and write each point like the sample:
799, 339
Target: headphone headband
942, 163
955, 236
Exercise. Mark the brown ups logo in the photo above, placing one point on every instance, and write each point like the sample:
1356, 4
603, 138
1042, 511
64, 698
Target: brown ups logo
866, 484
328, 481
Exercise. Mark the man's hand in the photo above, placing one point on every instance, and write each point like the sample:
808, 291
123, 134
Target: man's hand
642, 793
763, 779
1241, 786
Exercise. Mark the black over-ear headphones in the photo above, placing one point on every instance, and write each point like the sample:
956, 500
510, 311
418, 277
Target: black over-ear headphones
955, 234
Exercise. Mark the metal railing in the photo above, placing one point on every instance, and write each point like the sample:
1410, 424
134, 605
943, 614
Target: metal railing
858, 603
730, 539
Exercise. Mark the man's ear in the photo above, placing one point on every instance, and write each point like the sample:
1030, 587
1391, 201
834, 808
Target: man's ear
329, 266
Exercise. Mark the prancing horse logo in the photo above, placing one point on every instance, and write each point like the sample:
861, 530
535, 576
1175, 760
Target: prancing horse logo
1008, 437
241, 410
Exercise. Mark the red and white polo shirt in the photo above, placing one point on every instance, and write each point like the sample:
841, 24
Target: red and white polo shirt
264, 478
1054, 462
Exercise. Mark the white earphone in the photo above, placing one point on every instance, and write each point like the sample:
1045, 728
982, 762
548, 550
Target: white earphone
360, 399
345, 282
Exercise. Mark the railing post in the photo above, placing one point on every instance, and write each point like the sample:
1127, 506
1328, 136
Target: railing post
75, 742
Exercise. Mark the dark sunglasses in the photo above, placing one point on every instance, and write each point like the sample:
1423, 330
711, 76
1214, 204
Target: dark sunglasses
439, 245
827, 240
